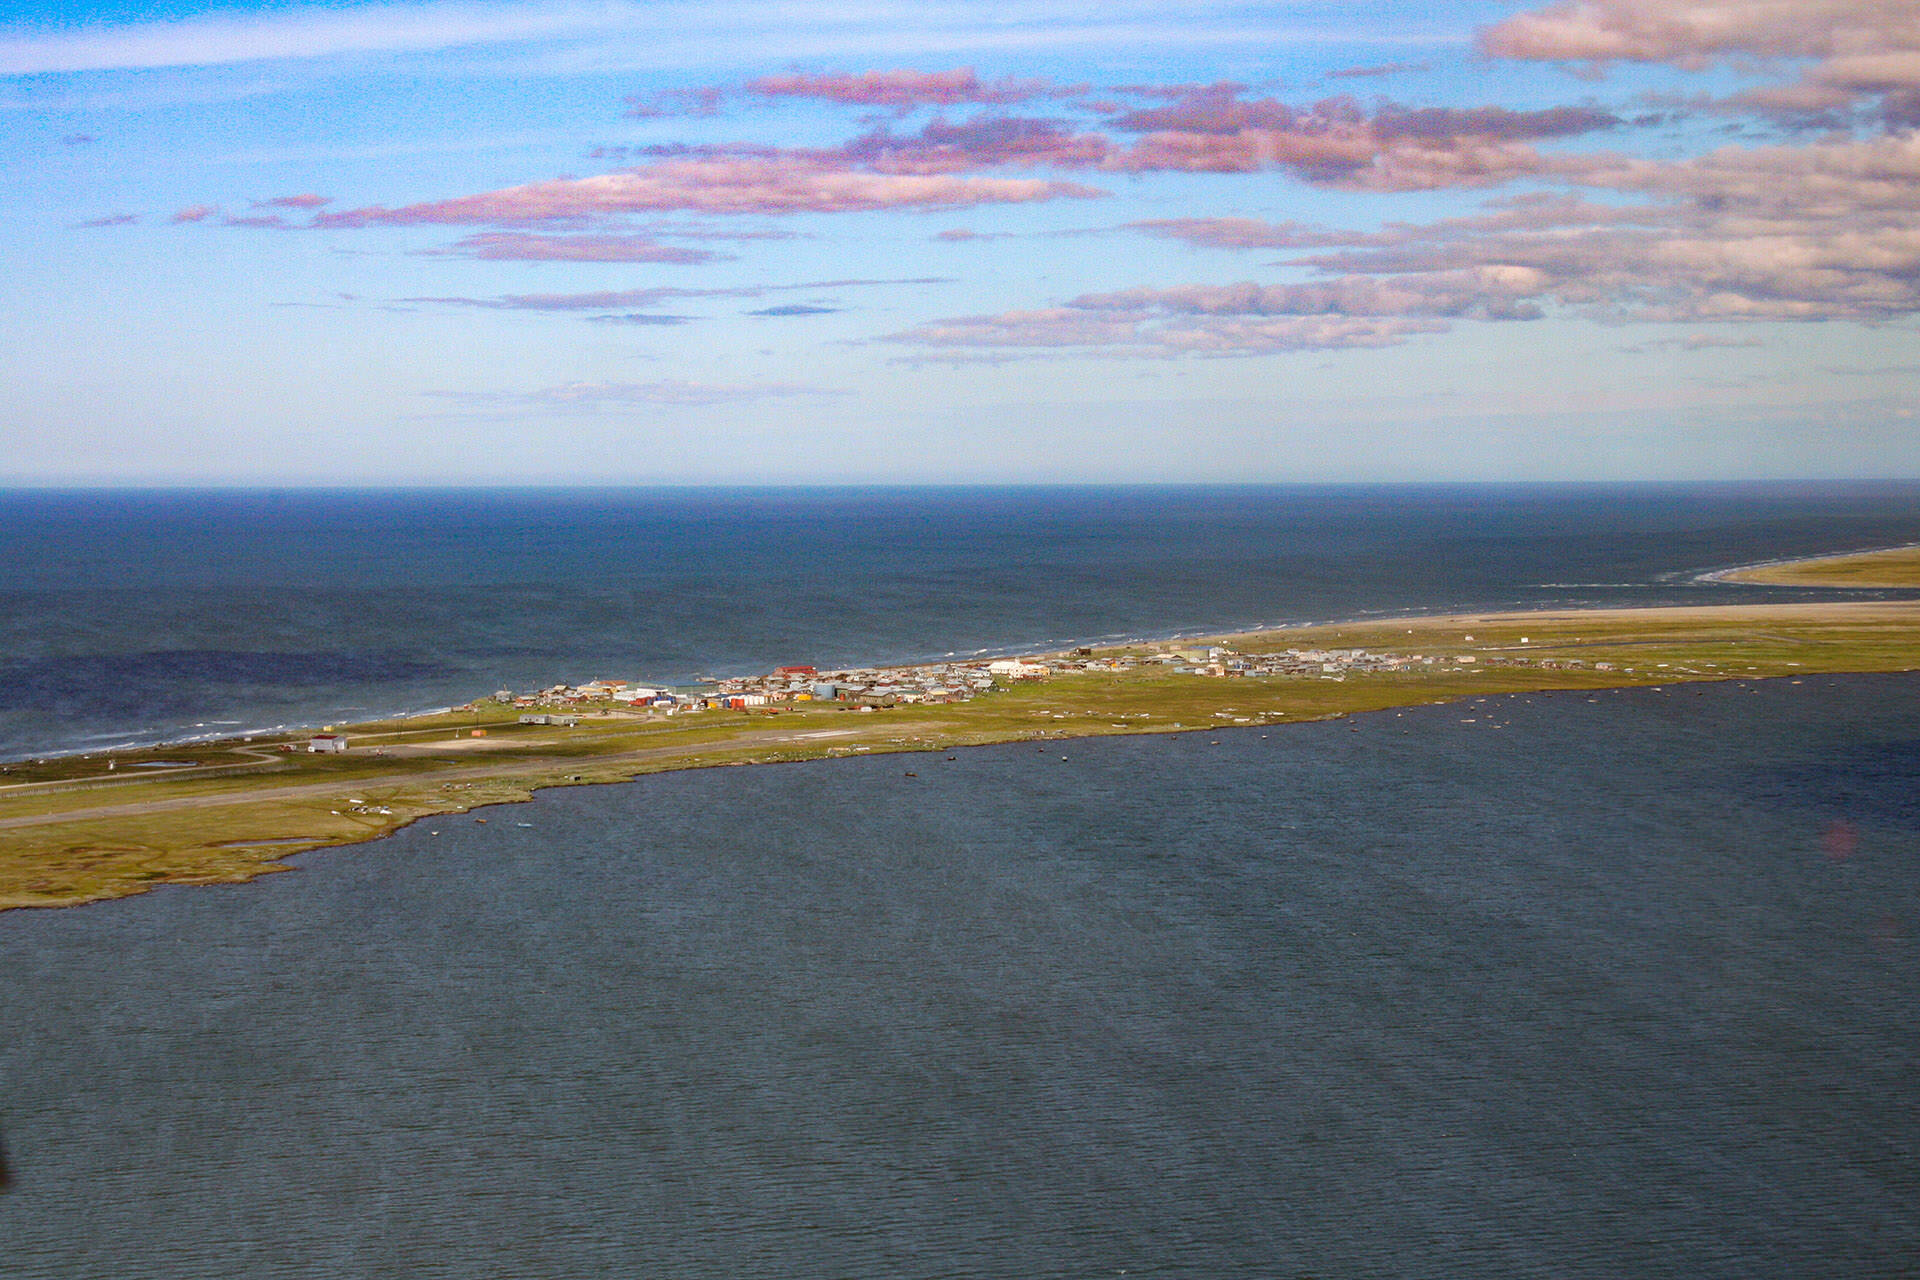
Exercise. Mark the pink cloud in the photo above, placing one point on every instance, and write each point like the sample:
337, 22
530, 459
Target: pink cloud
195, 213
110, 220
1336, 142
516, 246
904, 89
1482, 292
1050, 327
1692, 33
1247, 233
983, 142
783, 184
598, 300
1858, 49
304, 201
611, 300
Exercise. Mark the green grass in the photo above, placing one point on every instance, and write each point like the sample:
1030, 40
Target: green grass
1895, 567
211, 827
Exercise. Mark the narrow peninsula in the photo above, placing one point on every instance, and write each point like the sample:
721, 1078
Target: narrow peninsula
83, 828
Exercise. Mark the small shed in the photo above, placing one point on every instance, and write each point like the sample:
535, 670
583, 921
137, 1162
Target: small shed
326, 744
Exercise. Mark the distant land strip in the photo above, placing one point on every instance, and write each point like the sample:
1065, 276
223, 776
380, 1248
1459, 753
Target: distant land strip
1889, 567
79, 829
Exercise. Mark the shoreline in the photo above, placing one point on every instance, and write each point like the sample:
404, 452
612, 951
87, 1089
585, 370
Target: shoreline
1756, 573
988, 654
241, 808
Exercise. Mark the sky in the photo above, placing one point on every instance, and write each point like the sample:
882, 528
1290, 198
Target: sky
870, 241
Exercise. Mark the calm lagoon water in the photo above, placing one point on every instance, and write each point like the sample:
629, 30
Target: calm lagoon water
1547, 987
1557, 987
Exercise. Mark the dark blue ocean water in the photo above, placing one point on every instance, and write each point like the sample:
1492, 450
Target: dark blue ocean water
131, 616
1555, 987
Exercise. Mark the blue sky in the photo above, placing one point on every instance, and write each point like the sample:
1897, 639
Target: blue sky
617, 242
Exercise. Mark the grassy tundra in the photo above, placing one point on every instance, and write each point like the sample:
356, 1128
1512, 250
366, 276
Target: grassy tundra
82, 828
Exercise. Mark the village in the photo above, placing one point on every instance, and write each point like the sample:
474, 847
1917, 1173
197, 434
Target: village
869, 688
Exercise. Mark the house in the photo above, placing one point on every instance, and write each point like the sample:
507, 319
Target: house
326, 744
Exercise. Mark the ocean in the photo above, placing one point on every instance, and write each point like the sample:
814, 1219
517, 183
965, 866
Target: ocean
136, 617
1558, 985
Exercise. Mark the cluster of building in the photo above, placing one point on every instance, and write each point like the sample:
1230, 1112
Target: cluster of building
952, 681
867, 686
938, 682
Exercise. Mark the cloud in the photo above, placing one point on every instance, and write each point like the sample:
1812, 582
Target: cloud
590, 397
195, 213
1488, 292
1049, 327
1337, 142
263, 222
1247, 233
787, 183
600, 300
705, 101
1692, 342
1816, 232
649, 318
1379, 69
613, 36
1220, 110
794, 309
109, 220
905, 90
1193, 129
1692, 33
1212, 129
1870, 370
1152, 330
304, 201
516, 246
980, 143
618, 299
77, 139
1857, 49
224, 38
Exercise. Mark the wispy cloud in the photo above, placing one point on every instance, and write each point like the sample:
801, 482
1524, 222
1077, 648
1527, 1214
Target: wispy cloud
906, 89
1692, 342
615, 300
222, 38
516, 246
1377, 70
597, 397
785, 183
602, 35
303, 201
